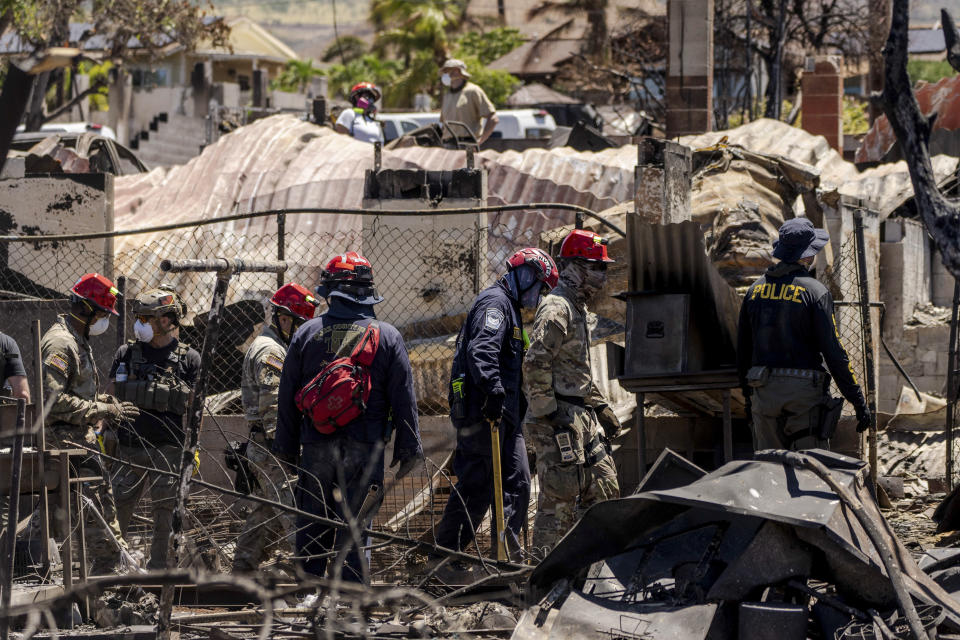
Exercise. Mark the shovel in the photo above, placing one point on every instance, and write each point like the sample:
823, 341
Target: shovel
498, 491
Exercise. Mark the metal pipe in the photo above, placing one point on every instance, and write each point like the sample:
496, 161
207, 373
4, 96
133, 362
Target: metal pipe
223, 265
952, 383
41, 445
894, 572
224, 269
533, 207
498, 518
867, 325
13, 513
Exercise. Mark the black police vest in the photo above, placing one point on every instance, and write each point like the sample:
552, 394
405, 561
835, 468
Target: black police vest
151, 386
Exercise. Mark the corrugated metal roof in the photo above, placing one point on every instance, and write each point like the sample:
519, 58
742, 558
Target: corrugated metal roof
926, 41
535, 93
941, 99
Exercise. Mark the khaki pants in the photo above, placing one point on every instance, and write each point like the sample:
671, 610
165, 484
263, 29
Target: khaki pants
567, 489
783, 407
265, 527
129, 483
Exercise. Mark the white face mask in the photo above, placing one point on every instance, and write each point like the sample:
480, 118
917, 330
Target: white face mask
143, 331
100, 326
445, 79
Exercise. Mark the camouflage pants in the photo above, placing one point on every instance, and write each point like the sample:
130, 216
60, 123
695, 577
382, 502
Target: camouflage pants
265, 527
102, 552
784, 407
129, 483
567, 489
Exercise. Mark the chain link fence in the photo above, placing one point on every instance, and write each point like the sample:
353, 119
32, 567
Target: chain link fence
427, 271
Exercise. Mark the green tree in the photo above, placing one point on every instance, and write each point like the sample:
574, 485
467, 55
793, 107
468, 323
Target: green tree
344, 49
410, 27
296, 76
369, 68
931, 71
150, 25
487, 47
497, 84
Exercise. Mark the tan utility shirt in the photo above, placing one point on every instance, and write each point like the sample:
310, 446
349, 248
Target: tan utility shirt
262, 365
469, 106
69, 375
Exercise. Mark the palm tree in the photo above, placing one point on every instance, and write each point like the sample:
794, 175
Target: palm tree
409, 27
297, 74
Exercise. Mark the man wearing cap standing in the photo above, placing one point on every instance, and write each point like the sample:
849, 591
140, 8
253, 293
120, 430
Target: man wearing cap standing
566, 410
787, 331
291, 306
77, 412
465, 102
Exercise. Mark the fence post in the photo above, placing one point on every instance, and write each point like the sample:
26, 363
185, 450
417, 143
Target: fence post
122, 312
952, 384
281, 244
867, 342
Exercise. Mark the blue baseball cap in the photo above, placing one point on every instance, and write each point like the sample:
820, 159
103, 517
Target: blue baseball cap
799, 239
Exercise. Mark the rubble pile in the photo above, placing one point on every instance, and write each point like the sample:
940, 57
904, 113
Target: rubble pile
758, 549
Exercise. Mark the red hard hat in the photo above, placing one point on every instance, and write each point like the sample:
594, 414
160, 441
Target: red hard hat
98, 290
365, 86
585, 245
541, 262
349, 266
350, 275
295, 300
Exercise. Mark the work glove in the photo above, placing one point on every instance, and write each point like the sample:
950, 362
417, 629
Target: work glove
608, 421
532, 459
407, 465
864, 419
116, 411
493, 407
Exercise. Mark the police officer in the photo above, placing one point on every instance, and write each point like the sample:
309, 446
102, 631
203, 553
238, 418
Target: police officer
339, 469
485, 387
566, 410
70, 382
787, 330
14, 375
156, 372
291, 306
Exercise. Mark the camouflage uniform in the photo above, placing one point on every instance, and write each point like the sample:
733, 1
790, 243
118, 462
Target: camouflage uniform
561, 393
70, 378
264, 527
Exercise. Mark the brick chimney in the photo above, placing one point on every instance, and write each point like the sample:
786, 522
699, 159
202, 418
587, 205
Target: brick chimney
690, 67
822, 108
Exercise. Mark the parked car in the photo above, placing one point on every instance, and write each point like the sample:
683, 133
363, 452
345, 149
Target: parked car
104, 155
76, 127
520, 124
514, 124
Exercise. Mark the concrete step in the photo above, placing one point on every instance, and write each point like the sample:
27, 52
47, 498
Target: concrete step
187, 146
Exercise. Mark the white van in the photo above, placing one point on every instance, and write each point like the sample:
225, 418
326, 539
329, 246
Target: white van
519, 124
514, 124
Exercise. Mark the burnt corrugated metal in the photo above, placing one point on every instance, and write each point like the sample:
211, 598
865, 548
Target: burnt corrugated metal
672, 259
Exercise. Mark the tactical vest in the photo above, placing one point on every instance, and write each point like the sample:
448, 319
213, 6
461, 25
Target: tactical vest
154, 387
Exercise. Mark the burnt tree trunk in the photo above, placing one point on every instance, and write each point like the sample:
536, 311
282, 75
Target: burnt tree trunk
940, 215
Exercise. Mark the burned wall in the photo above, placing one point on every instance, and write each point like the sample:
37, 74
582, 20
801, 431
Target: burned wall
53, 205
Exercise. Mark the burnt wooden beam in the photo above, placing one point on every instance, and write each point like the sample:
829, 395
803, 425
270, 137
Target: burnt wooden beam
939, 215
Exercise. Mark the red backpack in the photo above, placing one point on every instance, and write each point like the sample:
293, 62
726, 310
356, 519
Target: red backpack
338, 394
